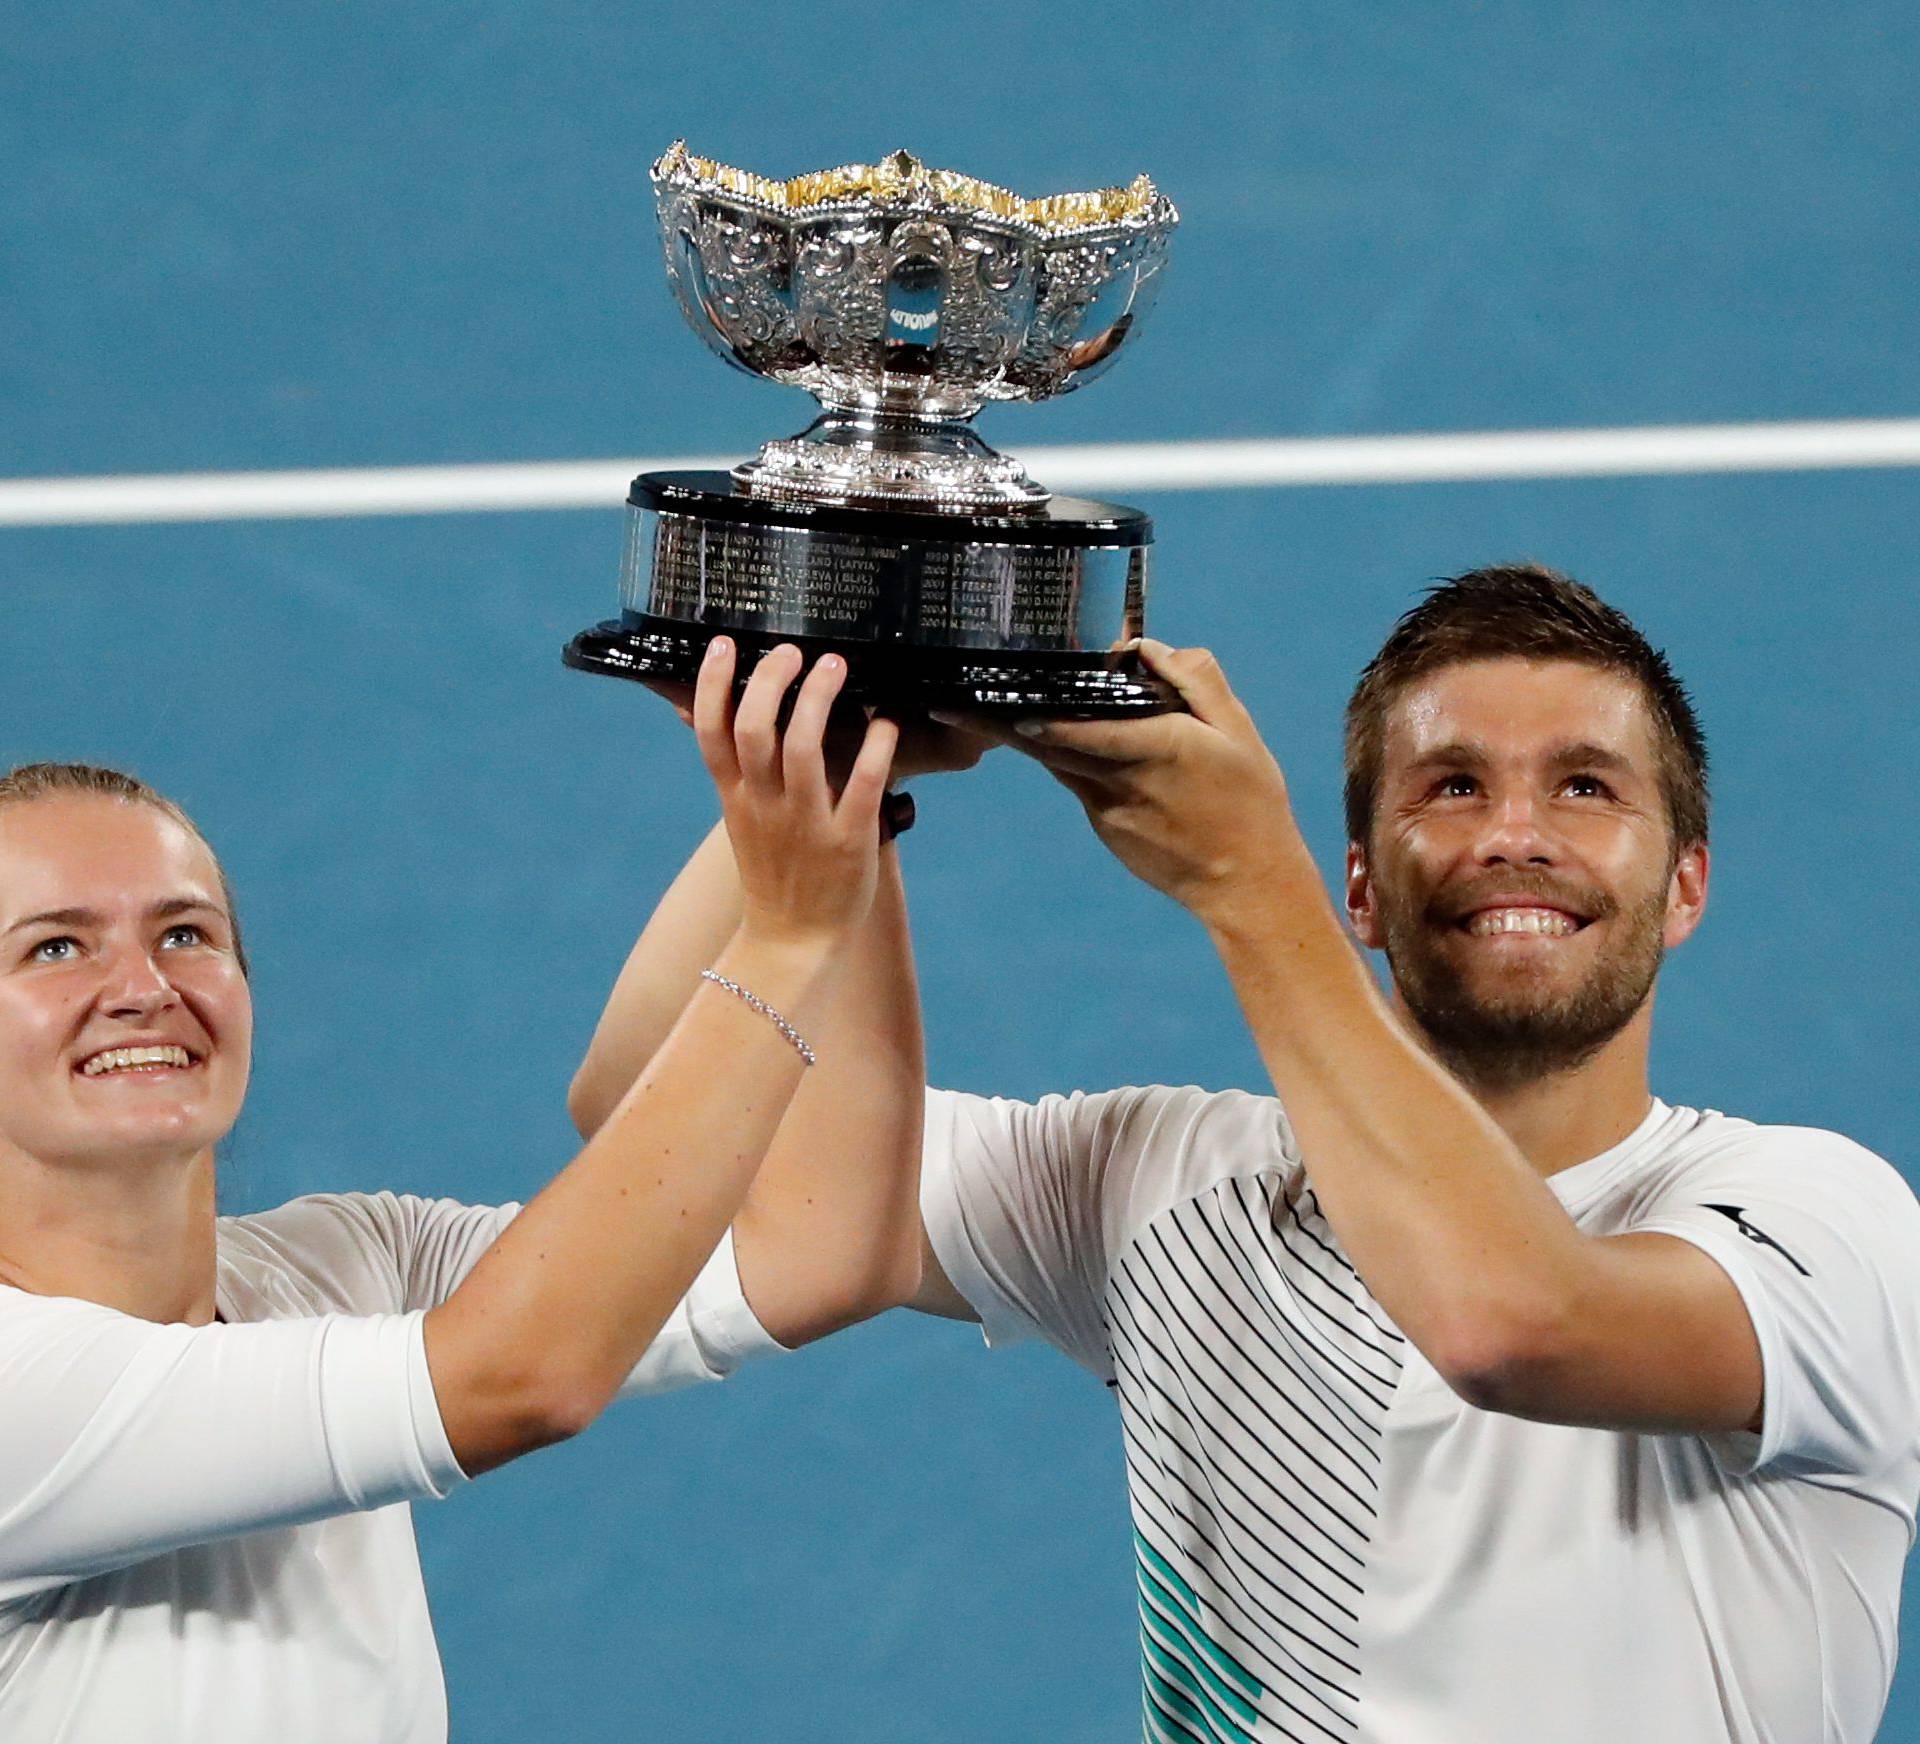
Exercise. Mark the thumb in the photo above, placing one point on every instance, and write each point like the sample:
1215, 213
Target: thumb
1196, 675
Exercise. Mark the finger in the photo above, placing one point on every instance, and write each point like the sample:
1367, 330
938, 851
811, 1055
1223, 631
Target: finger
846, 728
679, 696
713, 712
1033, 739
962, 726
993, 730
1057, 760
1197, 676
1091, 795
756, 722
802, 747
929, 746
1089, 779
1122, 741
860, 798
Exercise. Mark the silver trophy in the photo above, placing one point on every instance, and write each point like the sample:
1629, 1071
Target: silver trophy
904, 299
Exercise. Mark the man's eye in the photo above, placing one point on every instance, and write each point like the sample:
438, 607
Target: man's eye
186, 933
1587, 786
1455, 786
61, 950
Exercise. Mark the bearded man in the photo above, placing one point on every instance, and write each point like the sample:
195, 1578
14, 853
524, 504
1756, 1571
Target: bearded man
1471, 1394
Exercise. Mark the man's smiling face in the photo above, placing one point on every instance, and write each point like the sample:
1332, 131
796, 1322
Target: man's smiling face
125, 1020
1520, 873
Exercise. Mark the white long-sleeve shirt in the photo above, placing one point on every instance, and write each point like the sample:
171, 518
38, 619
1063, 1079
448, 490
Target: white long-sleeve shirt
205, 1532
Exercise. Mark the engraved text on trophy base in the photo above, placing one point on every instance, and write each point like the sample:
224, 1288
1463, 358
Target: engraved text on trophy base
809, 582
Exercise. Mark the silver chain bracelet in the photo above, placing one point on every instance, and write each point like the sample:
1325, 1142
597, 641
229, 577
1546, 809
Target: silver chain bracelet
765, 1010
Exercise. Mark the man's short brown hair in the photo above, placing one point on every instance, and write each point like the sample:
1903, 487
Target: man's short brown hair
1537, 613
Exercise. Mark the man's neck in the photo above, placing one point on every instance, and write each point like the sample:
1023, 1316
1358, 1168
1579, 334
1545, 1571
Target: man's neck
1563, 1118
135, 1236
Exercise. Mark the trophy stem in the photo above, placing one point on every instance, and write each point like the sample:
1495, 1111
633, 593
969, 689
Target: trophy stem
859, 457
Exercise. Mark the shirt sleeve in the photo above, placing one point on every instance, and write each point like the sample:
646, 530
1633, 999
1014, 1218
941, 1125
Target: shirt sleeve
125, 1438
400, 1252
1028, 1204
1822, 1240
710, 1333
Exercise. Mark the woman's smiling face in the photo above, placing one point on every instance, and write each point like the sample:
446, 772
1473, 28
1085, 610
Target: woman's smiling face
126, 1024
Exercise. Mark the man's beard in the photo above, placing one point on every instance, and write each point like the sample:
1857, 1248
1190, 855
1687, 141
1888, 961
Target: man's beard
1526, 1031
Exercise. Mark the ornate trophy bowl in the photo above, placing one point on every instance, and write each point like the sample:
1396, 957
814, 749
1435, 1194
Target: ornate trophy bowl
904, 299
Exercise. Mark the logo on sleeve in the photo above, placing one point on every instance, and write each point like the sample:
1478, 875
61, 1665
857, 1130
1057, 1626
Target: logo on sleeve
1739, 1215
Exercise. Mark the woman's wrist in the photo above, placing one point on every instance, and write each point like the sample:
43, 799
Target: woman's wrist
782, 968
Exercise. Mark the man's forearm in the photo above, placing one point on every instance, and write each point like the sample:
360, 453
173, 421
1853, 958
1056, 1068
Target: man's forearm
829, 1233
687, 931
1453, 1230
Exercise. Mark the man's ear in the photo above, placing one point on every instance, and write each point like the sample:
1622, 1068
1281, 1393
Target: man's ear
1686, 895
1362, 915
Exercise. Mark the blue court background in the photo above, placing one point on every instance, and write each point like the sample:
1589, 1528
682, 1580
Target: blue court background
234, 237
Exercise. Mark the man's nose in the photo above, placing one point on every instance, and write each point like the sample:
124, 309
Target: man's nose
1513, 834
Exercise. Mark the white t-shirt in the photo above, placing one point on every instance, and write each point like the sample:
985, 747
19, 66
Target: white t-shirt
204, 1531
1332, 1545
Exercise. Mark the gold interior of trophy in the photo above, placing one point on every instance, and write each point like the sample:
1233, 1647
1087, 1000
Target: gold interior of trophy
902, 177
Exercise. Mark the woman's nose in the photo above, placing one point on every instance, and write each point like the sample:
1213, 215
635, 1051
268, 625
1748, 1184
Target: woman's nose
135, 986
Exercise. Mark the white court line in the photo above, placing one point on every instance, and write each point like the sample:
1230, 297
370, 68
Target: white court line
1094, 467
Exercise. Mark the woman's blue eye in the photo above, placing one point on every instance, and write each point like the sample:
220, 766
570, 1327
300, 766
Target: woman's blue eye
54, 951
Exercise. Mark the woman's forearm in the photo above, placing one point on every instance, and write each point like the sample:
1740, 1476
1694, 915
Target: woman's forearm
536, 1340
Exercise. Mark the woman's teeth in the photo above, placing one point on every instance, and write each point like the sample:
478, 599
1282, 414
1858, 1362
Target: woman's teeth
1550, 922
126, 1059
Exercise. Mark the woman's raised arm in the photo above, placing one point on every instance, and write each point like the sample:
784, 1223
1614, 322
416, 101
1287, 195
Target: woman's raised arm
536, 1340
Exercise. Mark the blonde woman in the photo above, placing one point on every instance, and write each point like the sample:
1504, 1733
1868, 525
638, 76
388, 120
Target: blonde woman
211, 1429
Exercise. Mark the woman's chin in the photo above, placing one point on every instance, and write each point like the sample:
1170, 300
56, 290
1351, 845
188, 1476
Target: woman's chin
143, 1137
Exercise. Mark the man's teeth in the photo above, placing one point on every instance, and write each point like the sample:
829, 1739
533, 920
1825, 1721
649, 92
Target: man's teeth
125, 1059
1548, 921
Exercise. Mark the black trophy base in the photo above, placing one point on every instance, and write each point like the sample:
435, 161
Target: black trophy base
898, 677
1010, 614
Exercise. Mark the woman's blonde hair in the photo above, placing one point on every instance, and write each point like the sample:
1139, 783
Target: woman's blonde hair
31, 781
